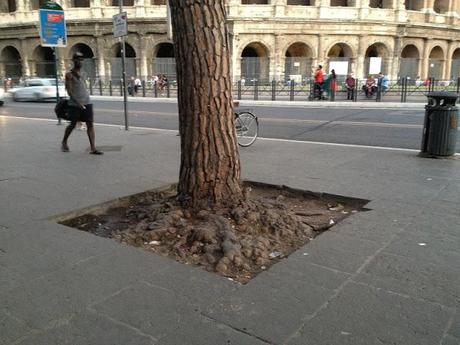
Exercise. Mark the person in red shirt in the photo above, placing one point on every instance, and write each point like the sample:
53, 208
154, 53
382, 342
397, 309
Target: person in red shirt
319, 81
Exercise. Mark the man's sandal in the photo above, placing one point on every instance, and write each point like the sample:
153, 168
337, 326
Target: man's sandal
96, 152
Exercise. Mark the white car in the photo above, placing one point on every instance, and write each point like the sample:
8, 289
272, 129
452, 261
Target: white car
2, 97
37, 90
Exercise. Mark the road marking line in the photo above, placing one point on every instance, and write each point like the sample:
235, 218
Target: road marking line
260, 138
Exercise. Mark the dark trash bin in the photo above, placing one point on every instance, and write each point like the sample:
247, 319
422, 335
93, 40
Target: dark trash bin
440, 127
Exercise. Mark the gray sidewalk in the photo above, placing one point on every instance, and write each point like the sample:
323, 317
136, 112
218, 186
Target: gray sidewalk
387, 276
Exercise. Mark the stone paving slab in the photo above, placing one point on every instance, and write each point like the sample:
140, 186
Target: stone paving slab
367, 281
363, 315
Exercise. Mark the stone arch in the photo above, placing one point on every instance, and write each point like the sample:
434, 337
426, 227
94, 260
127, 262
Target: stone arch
409, 62
299, 3
255, 62
436, 62
44, 62
441, 6
254, 2
81, 3
380, 3
125, 3
89, 63
298, 61
339, 56
10, 59
455, 70
413, 5
376, 59
116, 61
164, 61
8, 6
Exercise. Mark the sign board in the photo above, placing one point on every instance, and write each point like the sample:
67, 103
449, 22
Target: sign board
120, 24
375, 65
53, 31
340, 67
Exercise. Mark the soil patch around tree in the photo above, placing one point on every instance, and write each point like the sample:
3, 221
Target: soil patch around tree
237, 242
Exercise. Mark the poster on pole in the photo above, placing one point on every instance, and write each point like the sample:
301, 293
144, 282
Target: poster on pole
340, 67
120, 24
375, 65
53, 31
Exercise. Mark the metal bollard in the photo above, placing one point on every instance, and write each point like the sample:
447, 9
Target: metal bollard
239, 90
256, 90
291, 91
100, 87
143, 88
273, 90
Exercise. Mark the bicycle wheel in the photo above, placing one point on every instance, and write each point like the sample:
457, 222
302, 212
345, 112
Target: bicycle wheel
247, 128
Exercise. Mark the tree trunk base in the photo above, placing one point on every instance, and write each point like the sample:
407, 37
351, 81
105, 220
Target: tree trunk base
237, 242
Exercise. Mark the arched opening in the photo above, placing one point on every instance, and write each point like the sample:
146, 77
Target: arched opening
7, 6
376, 59
298, 62
409, 62
381, 3
81, 3
339, 58
299, 3
436, 63
130, 61
413, 5
89, 64
255, 63
455, 71
35, 4
11, 61
164, 61
341, 3
441, 6
254, 2
158, 2
44, 62
125, 2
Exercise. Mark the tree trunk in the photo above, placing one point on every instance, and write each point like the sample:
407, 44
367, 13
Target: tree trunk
210, 164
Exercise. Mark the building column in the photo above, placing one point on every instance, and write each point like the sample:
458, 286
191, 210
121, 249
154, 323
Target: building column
363, 6
428, 6
425, 59
96, 9
324, 7
25, 58
359, 60
280, 6
235, 58
448, 61
400, 10
100, 57
233, 6
143, 55
22, 5
140, 8
394, 67
279, 68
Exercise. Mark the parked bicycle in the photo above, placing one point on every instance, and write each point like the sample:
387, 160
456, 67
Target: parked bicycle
247, 127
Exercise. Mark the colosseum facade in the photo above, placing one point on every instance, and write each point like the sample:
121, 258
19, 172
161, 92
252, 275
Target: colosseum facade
271, 39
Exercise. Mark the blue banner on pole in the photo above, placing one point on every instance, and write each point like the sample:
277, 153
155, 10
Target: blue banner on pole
53, 31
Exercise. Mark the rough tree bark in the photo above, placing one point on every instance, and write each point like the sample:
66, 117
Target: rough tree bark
210, 164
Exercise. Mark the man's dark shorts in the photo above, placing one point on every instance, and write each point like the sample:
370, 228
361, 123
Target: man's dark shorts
79, 114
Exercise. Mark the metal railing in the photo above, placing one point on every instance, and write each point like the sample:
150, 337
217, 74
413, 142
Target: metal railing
401, 90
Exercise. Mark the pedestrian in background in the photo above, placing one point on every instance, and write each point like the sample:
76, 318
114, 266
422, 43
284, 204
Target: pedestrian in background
80, 107
319, 81
350, 85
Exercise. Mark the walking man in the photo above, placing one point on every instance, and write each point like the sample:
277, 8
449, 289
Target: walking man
80, 107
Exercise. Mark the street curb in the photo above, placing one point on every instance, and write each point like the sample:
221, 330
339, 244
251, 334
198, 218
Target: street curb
283, 104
